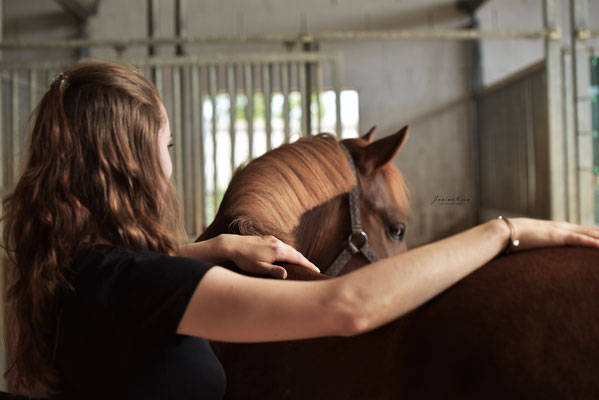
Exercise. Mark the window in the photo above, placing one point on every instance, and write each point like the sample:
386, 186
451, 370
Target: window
259, 145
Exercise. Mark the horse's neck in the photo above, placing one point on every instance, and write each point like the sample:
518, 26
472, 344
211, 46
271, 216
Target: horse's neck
218, 226
321, 231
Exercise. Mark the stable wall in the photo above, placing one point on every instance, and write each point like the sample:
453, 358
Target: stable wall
418, 83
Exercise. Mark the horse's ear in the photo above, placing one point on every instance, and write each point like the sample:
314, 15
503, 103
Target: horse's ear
384, 150
370, 135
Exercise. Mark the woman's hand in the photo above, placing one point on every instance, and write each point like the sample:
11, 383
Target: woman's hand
534, 233
256, 254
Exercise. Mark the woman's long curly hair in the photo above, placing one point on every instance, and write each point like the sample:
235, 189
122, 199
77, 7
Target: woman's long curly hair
92, 170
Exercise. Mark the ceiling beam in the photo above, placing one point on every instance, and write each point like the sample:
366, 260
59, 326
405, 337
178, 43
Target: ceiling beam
81, 10
469, 6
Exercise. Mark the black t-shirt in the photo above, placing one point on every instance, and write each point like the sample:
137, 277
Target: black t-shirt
117, 335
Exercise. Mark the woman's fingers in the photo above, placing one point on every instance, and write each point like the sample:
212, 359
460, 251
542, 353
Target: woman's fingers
284, 252
273, 270
295, 257
539, 233
584, 240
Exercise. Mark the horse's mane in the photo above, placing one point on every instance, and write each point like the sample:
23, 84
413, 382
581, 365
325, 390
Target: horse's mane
269, 195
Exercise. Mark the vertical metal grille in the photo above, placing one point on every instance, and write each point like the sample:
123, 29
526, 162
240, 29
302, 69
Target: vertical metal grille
221, 109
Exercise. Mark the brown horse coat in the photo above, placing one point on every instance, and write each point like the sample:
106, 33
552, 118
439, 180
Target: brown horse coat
525, 325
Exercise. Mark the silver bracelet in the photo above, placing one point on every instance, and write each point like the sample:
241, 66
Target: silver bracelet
513, 235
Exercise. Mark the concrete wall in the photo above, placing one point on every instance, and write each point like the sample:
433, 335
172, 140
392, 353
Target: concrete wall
501, 58
37, 20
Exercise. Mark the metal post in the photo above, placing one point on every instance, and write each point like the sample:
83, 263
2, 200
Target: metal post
3, 361
530, 190
213, 84
579, 12
232, 105
338, 79
572, 202
3, 182
557, 162
14, 119
178, 129
152, 22
197, 130
180, 9
305, 104
189, 173
249, 92
475, 84
3, 138
266, 87
285, 91
158, 77
152, 7
318, 93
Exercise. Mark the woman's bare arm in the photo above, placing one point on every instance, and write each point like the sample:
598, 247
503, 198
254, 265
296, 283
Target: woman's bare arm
230, 307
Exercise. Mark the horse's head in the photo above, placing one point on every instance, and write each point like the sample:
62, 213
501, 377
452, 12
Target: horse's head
299, 193
324, 231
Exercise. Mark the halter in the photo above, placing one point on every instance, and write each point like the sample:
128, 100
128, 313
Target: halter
358, 240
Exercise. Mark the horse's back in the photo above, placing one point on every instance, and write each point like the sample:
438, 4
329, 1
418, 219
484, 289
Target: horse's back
526, 325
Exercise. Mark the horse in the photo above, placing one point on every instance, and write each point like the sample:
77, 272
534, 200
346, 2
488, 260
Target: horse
522, 326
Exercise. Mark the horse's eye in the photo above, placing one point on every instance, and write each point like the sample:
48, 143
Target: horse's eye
397, 231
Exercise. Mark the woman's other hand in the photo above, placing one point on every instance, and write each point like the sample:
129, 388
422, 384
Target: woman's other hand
533, 233
255, 254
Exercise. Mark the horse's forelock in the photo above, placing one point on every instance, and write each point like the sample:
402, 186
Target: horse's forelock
398, 187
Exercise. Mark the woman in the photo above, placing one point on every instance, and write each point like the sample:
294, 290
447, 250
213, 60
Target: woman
102, 303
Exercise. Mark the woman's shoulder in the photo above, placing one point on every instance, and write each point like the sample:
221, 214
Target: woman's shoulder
109, 262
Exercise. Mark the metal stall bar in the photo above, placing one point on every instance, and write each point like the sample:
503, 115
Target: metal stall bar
579, 12
14, 111
232, 103
197, 131
4, 136
318, 93
529, 192
152, 23
213, 82
32, 89
158, 80
178, 128
337, 87
557, 162
200, 59
392, 34
191, 188
189, 173
301, 69
266, 88
309, 74
285, 91
570, 136
249, 92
